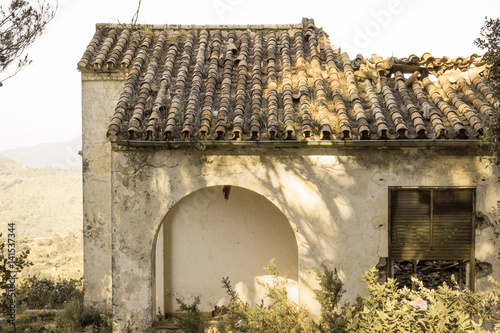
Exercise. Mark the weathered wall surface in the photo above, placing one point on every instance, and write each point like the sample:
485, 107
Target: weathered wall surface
98, 95
336, 201
207, 237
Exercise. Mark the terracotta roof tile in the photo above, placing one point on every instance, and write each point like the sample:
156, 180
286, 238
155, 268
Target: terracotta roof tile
462, 107
104, 49
416, 117
393, 107
91, 49
446, 109
280, 82
380, 121
429, 111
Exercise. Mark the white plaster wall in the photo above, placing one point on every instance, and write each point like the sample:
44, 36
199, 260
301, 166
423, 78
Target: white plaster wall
207, 237
98, 102
335, 200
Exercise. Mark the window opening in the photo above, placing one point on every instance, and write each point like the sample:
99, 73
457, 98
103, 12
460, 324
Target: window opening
432, 236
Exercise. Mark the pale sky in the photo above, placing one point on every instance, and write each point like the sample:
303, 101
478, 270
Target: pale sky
42, 104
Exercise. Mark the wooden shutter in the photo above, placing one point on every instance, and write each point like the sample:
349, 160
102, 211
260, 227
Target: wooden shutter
431, 224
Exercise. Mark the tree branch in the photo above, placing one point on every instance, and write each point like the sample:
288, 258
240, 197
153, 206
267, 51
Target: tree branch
20, 25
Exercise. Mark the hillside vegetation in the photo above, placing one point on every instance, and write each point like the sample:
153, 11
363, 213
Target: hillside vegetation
46, 206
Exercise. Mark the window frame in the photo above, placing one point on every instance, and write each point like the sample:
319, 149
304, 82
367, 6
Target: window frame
471, 282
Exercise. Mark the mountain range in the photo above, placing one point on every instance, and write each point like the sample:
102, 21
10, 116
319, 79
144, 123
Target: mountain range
62, 155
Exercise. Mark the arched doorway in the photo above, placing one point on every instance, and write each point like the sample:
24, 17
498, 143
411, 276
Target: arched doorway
217, 232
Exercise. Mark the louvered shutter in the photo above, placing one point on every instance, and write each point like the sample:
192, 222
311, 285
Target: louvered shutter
431, 224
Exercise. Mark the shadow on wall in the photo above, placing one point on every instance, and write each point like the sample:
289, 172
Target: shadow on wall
339, 193
207, 237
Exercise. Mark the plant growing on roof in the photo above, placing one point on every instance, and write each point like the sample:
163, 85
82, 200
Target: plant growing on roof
20, 25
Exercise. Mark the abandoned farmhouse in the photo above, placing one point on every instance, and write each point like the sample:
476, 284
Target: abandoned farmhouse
210, 150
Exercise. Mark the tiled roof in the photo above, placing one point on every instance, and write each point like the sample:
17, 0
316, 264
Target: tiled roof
282, 82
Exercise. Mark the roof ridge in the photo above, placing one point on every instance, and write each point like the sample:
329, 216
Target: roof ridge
204, 26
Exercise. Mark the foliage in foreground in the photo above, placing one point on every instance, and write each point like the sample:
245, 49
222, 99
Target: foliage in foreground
44, 293
388, 308
385, 308
192, 320
489, 41
282, 315
8, 265
74, 318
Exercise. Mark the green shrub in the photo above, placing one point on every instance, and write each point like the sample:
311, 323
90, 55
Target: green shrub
192, 319
76, 316
388, 308
7, 265
385, 308
29, 322
42, 293
283, 315
328, 296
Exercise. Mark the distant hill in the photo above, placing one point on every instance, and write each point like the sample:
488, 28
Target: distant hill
56, 155
45, 204
40, 201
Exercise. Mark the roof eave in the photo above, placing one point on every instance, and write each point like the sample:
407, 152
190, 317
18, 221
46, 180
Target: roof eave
300, 144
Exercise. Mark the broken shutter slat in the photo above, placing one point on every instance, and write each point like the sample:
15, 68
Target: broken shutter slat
431, 224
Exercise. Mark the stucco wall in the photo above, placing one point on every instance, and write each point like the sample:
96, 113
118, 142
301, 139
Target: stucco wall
336, 201
99, 96
207, 237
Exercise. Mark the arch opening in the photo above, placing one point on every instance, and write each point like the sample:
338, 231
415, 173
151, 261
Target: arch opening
222, 231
